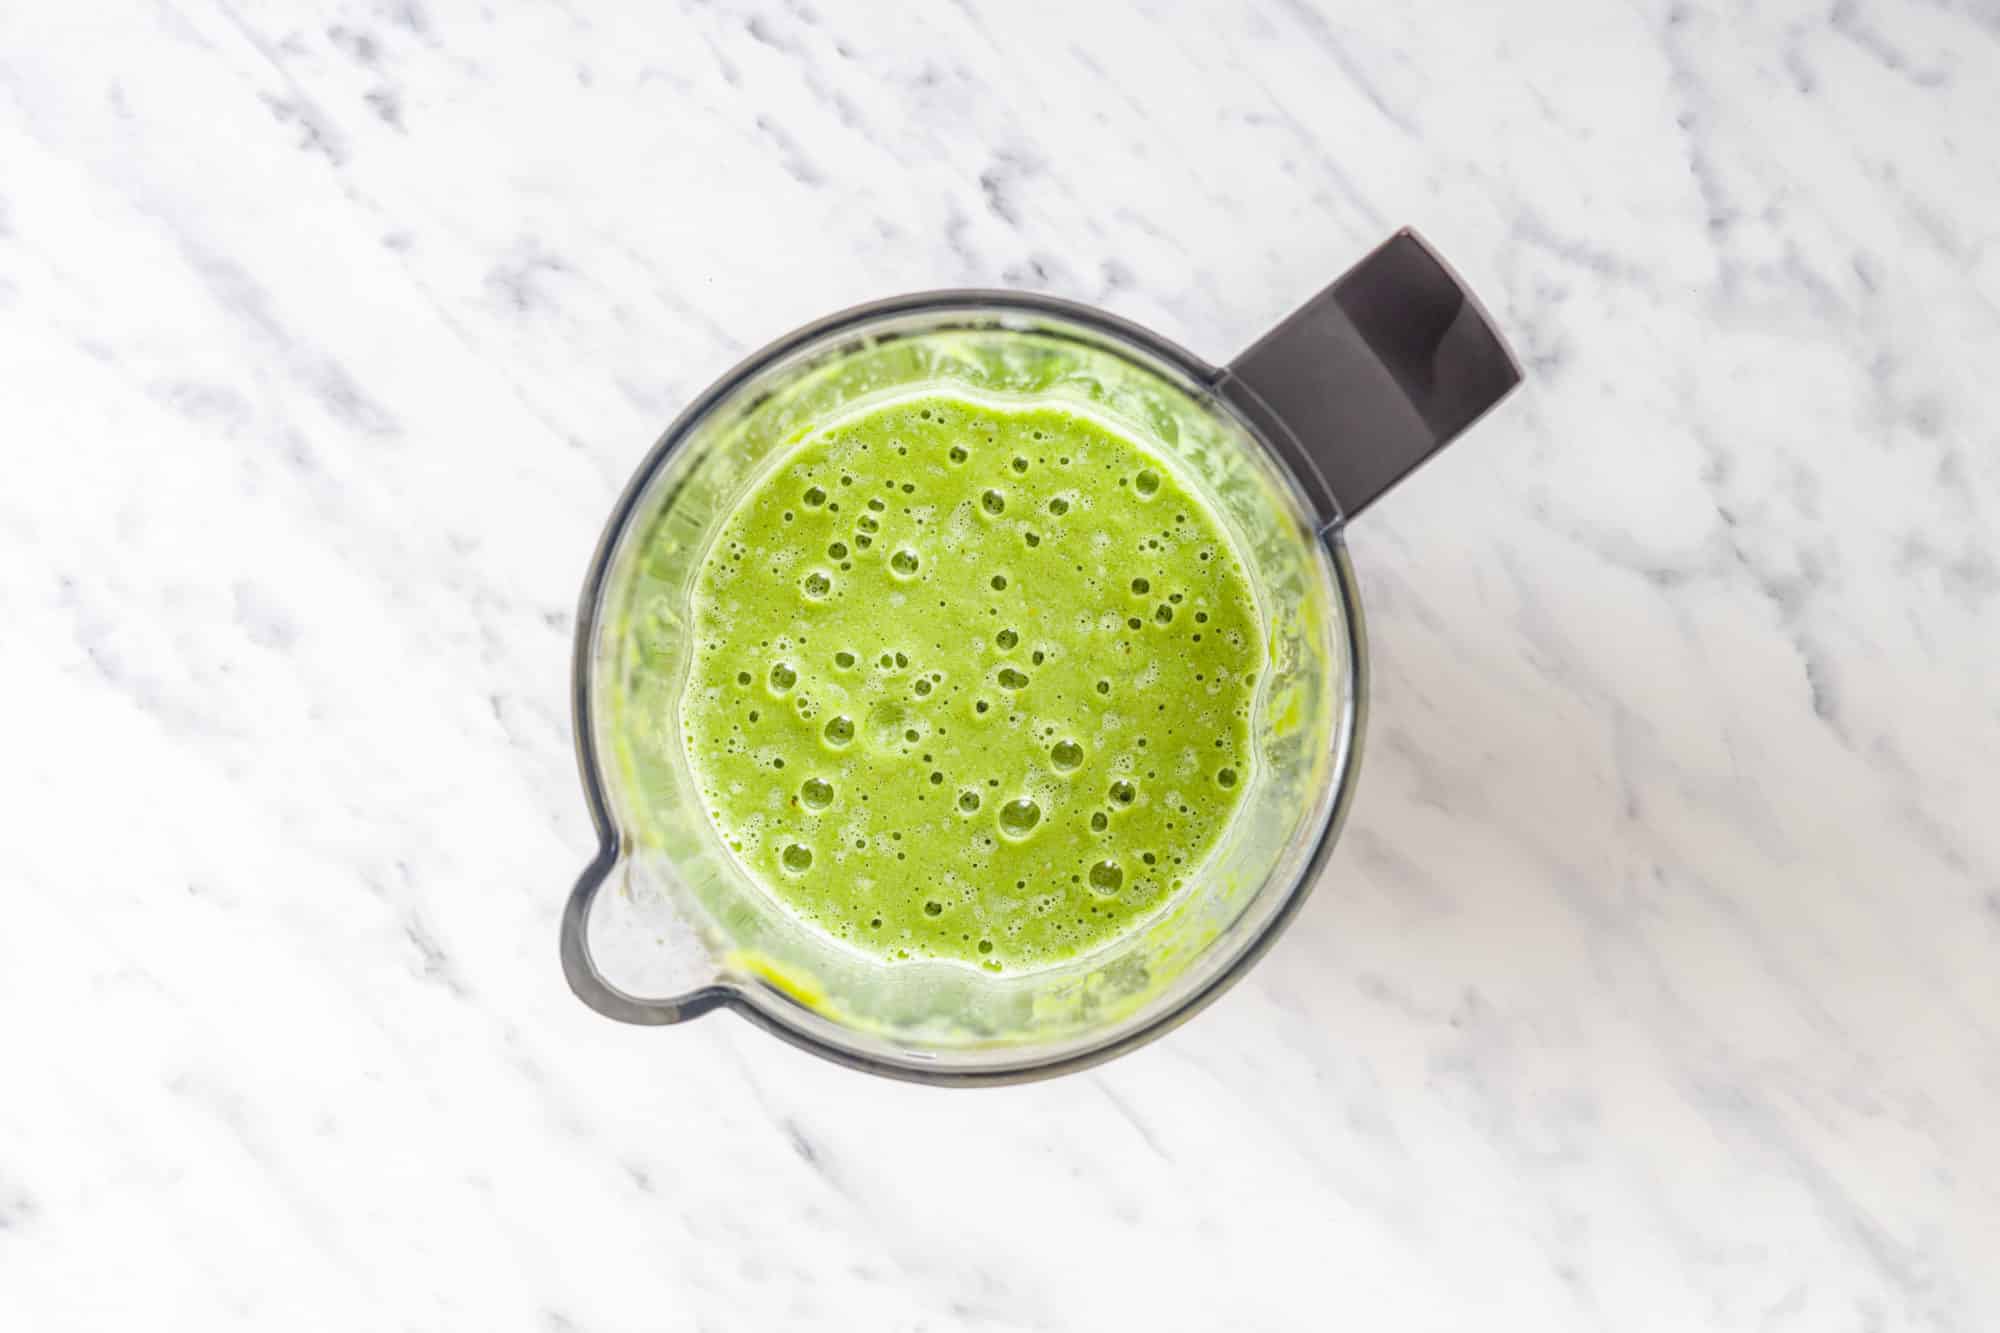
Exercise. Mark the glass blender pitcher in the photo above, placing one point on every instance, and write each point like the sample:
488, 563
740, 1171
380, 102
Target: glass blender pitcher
1287, 443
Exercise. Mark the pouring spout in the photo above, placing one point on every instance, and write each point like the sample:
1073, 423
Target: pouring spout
581, 968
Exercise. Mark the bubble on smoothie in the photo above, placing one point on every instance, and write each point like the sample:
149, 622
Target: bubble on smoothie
933, 908
904, 563
1019, 816
863, 540
1104, 687
1038, 657
1225, 777
968, 801
1010, 679
1141, 587
868, 523
1107, 877
783, 677
1164, 613
839, 730
1058, 506
844, 660
1123, 792
1007, 639
998, 582
816, 584
958, 454
1099, 821
1066, 756
816, 794
993, 502
742, 678
814, 497
836, 550
797, 858
1031, 538
1147, 482
922, 687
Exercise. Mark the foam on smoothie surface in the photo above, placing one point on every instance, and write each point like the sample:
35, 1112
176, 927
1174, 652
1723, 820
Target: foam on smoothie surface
971, 683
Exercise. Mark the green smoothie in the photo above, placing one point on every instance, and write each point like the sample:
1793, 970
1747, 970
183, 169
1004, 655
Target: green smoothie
971, 682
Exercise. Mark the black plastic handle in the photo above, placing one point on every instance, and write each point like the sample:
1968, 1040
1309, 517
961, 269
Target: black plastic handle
1374, 375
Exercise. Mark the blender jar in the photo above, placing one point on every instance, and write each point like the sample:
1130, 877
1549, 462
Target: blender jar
1285, 444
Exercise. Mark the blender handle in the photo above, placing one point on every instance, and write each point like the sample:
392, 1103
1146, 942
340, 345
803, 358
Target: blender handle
1372, 376
590, 985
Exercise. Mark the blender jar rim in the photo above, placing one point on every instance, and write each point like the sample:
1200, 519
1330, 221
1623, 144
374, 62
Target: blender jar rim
769, 1007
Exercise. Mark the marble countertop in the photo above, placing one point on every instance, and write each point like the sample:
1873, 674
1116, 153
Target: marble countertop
1655, 984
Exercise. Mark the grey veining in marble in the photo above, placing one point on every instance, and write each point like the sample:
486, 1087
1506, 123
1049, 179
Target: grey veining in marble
1656, 984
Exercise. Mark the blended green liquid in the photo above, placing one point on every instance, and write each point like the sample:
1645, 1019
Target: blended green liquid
971, 683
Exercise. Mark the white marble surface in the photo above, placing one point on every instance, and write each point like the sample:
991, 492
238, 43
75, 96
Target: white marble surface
1656, 984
